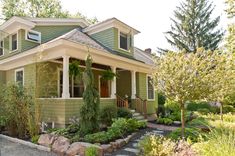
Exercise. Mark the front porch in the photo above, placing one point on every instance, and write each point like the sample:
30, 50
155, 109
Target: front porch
60, 94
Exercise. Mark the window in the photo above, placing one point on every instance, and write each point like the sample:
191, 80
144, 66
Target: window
123, 41
150, 88
33, 36
76, 86
1, 48
14, 42
19, 76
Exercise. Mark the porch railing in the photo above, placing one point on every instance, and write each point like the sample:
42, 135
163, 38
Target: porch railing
123, 103
141, 106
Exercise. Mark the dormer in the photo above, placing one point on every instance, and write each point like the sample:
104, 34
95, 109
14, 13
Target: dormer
114, 34
19, 34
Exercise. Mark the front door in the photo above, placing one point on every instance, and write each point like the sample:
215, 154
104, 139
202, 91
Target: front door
104, 88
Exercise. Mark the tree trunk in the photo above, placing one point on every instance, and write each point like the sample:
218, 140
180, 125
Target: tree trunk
182, 121
221, 111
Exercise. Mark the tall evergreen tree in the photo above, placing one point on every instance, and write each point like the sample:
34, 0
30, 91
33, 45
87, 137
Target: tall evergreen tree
89, 113
193, 27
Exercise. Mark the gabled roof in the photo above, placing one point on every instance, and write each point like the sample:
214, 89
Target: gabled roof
143, 56
111, 22
77, 36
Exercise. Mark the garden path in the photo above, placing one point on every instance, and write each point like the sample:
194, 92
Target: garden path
131, 149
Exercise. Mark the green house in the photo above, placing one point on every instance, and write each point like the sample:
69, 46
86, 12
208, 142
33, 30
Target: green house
36, 52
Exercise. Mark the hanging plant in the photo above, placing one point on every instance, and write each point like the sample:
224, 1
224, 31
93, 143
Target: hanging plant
75, 70
108, 75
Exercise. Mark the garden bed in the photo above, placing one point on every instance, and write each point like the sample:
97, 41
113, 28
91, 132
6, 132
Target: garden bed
69, 141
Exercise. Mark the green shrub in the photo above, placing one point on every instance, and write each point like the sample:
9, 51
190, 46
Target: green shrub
219, 142
119, 128
203, 111
190, 133
228, 109
91, 151
3, 122
176, 116
171, 106
124, 113
75, 138
165, 121
203, 107
161, 102
153, 145
35, 138
107, 114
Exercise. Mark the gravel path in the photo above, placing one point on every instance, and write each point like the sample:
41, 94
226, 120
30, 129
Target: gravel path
8, 148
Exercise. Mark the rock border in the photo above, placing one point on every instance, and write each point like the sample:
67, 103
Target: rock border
26, 143
63, 147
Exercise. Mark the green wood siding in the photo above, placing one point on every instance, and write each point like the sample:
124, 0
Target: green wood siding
141, 91
61, 111
124, 83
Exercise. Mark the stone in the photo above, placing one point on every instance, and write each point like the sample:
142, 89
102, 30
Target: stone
61, 145
73, 149
107, 148
80, 148
120, 143
46, 140
114, 145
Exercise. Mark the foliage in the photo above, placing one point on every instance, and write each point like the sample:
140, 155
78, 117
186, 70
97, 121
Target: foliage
190, 133
220, 142
165, 121
203, 107
75, 70
89, 112
72, 131
108, 75
171, 106
153, 145
193, 27
120, 128
193, 76
17, 109
228, 109
35, 138
33, 8
161, 102
124, 113
75, 138
91, 151
107, 114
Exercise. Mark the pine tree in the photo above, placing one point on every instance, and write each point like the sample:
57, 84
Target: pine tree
193, 27
89, 112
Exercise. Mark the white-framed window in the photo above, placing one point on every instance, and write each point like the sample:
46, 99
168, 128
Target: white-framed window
150, 88
19, 76
124, 41
33, 36
14, 42
1, 48
76, 86
104, 88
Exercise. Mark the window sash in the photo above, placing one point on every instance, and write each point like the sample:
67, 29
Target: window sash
33, 36
150, 88
1, 48
20, 77
123, 41
14, 42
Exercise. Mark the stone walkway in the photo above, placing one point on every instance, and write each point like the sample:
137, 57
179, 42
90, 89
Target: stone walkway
8, 148
131, 149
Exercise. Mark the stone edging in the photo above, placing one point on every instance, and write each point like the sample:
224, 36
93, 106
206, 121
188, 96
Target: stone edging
26, 143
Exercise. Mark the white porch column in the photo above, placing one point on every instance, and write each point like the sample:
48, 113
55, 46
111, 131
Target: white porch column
113, 84
133, 84
65, 92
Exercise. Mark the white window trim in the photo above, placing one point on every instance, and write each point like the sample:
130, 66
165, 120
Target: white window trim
33, 31
148, 89
18, 70
128, 46
17, 39
3, 51
99, 77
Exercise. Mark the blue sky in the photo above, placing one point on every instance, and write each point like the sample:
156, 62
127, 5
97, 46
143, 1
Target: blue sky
151, 17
